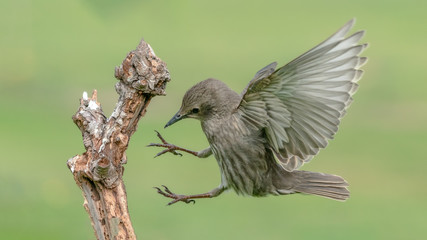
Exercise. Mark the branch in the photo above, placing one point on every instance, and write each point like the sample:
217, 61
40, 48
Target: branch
98, 172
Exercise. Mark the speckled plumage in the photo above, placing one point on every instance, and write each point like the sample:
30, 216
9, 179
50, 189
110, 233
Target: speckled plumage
280, 121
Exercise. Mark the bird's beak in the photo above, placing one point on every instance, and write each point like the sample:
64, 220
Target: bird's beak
175, 119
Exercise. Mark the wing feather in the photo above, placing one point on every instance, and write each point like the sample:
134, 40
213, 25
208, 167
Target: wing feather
300, 105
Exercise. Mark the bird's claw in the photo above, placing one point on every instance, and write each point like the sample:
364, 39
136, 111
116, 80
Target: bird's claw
169, 147
177, 198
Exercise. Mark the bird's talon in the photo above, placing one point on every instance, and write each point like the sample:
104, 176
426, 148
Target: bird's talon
169, 147
177, 198
161, 153
167, 190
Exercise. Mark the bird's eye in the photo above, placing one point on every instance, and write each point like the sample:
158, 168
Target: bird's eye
195, 110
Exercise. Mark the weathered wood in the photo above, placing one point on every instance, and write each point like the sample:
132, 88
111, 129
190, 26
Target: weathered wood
98, 172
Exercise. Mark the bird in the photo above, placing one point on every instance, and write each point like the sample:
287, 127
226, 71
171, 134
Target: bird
261, 137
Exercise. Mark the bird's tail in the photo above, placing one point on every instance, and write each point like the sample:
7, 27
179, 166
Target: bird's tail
321, 184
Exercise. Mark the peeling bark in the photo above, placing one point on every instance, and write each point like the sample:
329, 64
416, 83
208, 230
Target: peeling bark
98, 172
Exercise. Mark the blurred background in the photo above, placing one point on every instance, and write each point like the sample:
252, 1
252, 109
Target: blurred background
52, 51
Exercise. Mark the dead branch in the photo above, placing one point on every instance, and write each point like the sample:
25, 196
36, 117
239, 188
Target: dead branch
98, 172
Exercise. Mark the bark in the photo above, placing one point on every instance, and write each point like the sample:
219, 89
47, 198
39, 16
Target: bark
99, 171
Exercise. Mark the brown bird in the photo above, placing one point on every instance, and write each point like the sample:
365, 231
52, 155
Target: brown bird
279, 122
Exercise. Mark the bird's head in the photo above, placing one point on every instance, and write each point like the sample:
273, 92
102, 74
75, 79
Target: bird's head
205, 100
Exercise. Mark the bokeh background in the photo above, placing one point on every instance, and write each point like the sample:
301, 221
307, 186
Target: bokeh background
52, 51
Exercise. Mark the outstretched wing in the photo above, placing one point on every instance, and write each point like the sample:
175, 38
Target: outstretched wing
300, 104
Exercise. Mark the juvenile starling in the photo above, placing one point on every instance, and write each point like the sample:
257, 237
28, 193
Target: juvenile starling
279, 122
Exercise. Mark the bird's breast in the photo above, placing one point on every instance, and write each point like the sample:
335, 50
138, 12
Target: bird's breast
241, 155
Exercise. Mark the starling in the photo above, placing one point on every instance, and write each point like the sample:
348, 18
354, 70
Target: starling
279, 122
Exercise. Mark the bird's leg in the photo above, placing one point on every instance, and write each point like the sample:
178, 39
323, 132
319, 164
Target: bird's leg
188, 198
172, 148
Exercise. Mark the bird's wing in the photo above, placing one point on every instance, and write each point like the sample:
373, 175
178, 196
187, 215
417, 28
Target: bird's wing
300, 104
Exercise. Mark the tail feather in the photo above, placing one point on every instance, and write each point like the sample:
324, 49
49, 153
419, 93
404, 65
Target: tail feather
321, 184
337, 194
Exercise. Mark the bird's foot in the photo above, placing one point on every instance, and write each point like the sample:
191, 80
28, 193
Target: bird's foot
169, 147
177, 198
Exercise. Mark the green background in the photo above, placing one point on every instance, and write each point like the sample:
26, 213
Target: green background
52, 51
